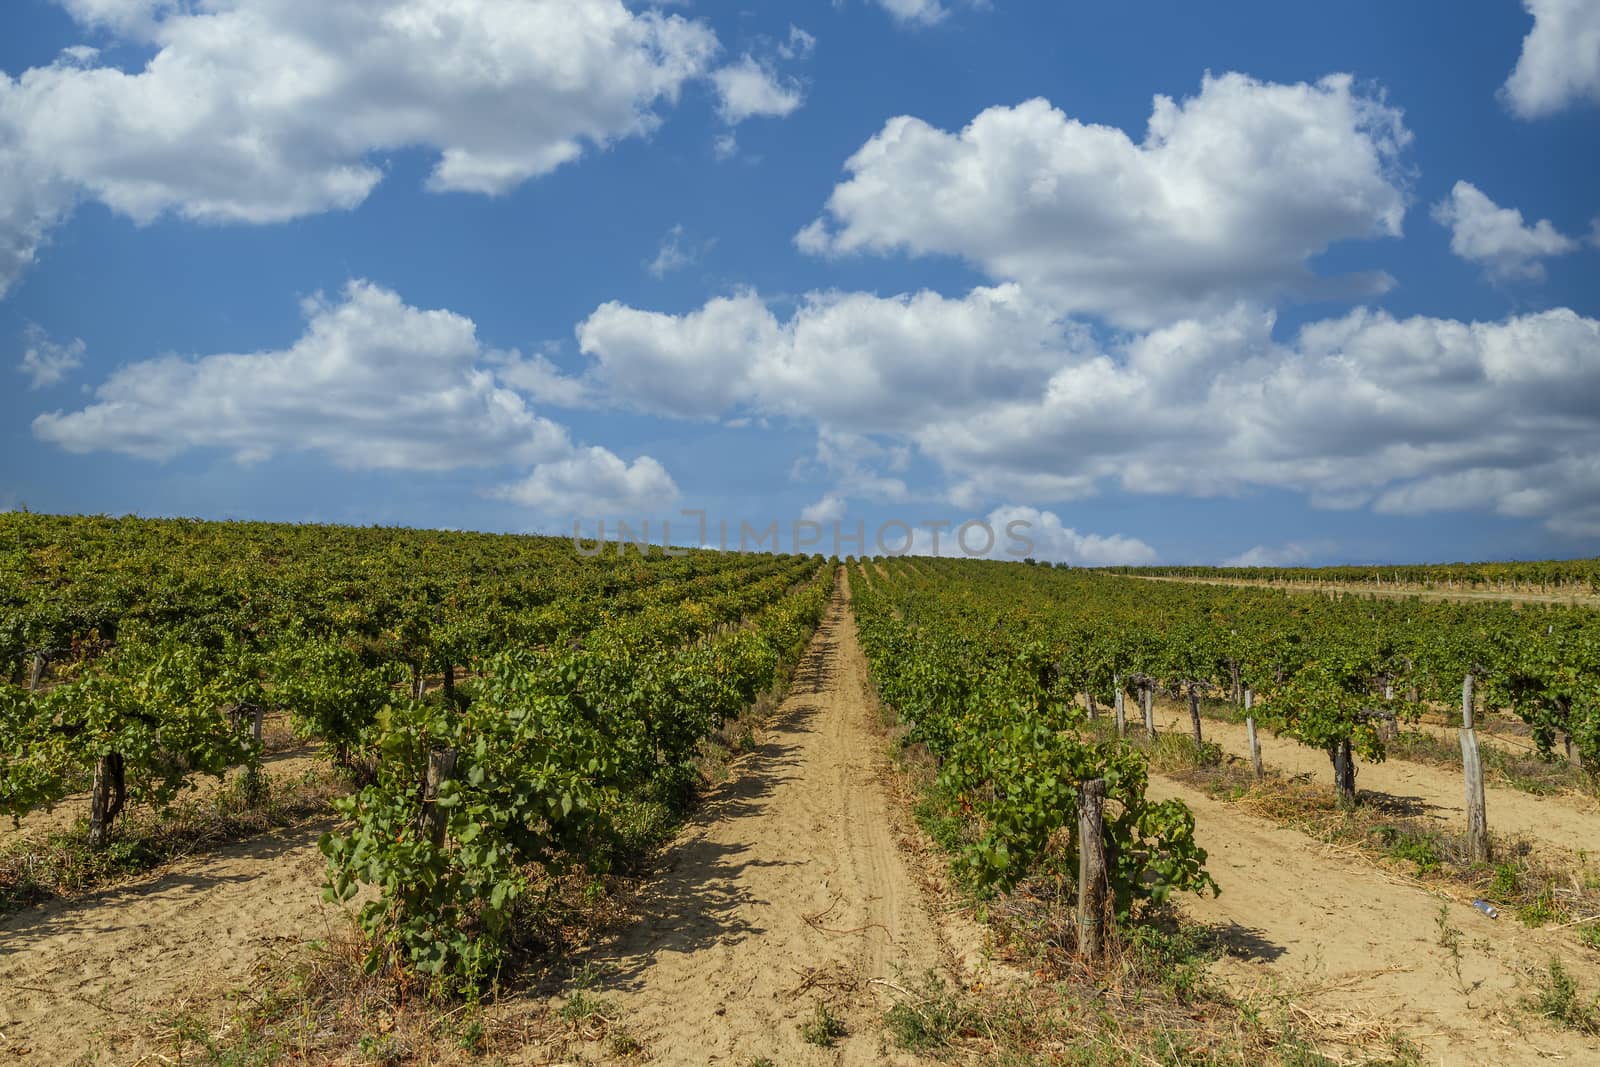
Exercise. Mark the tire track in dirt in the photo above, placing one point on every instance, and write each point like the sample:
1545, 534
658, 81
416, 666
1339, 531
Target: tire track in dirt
1361, 952
1440, 791
787, 890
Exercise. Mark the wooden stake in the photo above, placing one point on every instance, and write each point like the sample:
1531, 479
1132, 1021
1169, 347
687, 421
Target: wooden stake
1472, 768
1149, 712
1120, 707
37, 674
1092, 884
1250, 728
431, 820
106, 799
1194, 713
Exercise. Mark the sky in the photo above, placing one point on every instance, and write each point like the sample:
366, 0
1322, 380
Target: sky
1254, 282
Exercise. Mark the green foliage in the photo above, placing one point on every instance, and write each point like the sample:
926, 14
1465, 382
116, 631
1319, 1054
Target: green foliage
1559, 999
823, 1028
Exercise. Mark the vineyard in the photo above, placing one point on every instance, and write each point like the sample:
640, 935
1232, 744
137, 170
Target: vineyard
1133, 783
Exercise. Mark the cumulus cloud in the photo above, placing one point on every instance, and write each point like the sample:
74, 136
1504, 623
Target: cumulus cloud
1014, 402
1229, 195
592, 482
1496, 238
271, 110
830, 508
1015, 531
749, 89
915, 12
1287, 554
1560, 61
373, 383
1360, 407
848, 359
48, 362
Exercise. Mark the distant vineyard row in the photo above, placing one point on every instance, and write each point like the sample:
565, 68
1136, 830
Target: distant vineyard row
1572, 576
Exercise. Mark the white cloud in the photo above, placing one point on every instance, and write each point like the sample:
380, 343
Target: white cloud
1015, 531
372, 383
275, 109
1287, 554
1560, 61
915, 12
48, 362
829, 509
1496, 238
1230, 195
798, 45
129, 18
1358, 407
676, 252
725, 146
593, 482
1015, 403
857, 465
851, 360
747, 89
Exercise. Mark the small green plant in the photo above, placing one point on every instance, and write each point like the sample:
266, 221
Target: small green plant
823, 1028
929, 1019
1505, 885
1408, 845
622, 1043
1590, 935
1559, 999
1542, 910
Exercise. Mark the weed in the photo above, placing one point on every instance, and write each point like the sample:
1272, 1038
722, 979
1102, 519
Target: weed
1543, 909
823, 1028
930, 1018
622, 1043
1558, 999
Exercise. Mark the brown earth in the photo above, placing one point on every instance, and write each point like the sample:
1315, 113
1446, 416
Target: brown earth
787, 891
1358, 953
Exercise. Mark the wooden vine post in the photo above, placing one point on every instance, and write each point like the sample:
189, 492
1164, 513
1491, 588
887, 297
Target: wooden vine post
252, 769
109, 793
1255, 739
1472, 766
37, 673
1092, 878
1119, 707
1146, 700
1194, 713
431, 820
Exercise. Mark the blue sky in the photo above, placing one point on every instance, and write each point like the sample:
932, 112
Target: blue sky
496, 264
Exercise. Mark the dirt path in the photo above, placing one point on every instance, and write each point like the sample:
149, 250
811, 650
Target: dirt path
1363, 953
1439, 790
79, 979
788, 890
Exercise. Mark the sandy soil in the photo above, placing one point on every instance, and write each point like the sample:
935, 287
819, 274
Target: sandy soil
787, 890
1558, 821
81, 982
1360, 952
